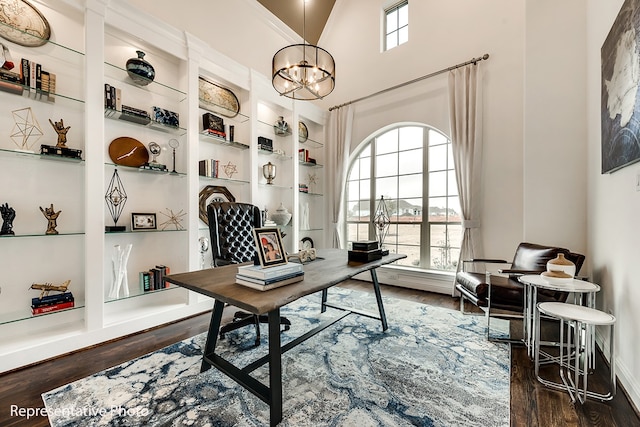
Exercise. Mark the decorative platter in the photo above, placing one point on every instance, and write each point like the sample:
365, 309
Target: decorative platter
303, 132
217, 99
128, 151
22, 23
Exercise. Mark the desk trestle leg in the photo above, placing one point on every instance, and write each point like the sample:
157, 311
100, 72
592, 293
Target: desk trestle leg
212, 336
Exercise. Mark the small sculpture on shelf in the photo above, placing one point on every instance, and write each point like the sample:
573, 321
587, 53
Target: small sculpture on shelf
8, 215
52, 216
116, 197
281, 127
155, 150
61, 149
26, 130
61, 131
119, 260
45, 288
173, 219
174, 143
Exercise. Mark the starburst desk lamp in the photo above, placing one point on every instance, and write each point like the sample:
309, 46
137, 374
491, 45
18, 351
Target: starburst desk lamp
116, 198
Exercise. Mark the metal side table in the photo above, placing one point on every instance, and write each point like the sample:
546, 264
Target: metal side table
580, 325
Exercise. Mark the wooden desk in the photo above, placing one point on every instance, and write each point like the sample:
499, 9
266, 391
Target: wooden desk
321, 274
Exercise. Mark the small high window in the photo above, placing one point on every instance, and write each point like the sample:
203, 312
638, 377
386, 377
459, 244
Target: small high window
396, 25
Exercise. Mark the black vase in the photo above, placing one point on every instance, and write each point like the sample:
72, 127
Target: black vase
140, 71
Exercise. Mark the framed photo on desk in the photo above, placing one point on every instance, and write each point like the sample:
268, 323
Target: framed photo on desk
269, 246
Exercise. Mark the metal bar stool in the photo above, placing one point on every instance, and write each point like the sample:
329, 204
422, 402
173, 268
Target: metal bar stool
581, 322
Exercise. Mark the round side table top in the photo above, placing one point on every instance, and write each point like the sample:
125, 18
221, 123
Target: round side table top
575, 285
565, 311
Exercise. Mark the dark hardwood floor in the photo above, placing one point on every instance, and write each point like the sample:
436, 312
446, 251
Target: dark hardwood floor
532, 404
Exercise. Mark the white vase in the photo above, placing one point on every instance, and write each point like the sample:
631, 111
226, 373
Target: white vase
560, 263
281, 216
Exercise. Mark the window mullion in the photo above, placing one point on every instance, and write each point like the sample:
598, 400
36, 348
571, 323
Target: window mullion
425, 227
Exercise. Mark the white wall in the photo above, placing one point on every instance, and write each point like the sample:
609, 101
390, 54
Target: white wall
614, 212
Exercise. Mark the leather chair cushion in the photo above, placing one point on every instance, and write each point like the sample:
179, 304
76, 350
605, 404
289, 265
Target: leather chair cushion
231, 225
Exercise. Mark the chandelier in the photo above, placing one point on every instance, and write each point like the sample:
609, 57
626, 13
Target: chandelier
303, 71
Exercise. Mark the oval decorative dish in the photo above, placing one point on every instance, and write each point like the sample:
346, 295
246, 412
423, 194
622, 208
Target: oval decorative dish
217, 99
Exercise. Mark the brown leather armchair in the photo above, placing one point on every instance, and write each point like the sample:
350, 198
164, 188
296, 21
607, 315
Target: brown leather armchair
502, 296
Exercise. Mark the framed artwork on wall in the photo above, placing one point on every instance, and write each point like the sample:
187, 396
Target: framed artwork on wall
620, 88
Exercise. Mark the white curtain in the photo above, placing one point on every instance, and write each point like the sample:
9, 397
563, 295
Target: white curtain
465, 113
340, 127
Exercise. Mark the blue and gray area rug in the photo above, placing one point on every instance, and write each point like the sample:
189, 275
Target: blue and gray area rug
433, 367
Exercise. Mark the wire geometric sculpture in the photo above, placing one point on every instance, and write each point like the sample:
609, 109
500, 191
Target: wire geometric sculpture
381, 221
173, 218
116, 198
26, 130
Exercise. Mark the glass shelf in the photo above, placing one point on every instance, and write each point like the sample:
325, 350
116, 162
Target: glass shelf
142, 121
140, 169
72, 233
25, 314
280, 187
37, 156
310, 165
272, 153
221, 141
311, 194
312, 229
120, 74
140, 293
228, 114
275, 130
45, 41
144, 231
311, 143
36, 94
238, 181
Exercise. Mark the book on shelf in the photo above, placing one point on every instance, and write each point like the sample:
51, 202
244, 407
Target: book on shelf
276, 271
51, 299
53, 307
265, 285
154, 278
215, 133
209, 168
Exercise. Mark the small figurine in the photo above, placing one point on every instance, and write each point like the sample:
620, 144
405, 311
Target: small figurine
45, 288
51, 216
8, 215
61, 131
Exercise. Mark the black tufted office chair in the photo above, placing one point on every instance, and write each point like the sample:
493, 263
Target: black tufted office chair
232, 242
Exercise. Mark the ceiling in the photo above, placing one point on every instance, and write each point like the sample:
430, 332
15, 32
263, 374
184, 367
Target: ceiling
291, 13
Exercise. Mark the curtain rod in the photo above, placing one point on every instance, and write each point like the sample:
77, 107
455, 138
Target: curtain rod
444, 70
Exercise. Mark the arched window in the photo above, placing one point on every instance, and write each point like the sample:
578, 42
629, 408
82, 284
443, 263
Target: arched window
412, 167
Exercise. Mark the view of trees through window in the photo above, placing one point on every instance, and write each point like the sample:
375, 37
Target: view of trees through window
412, 167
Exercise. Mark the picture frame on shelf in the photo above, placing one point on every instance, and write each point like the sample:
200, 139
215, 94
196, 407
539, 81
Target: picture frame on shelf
143, 221
269, 246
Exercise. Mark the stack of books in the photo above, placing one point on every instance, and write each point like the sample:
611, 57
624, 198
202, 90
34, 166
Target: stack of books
51, 303
365, 251
153, 279
263, 279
